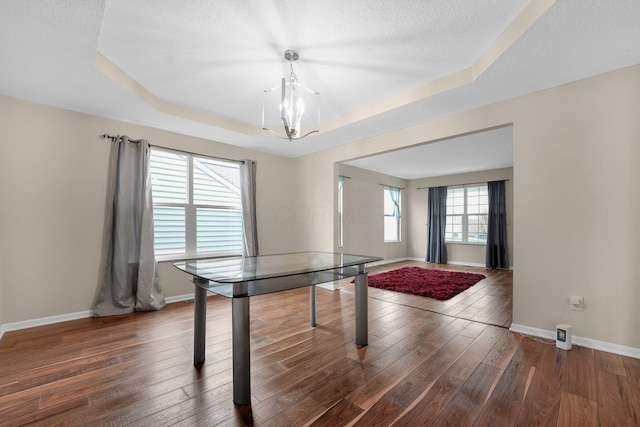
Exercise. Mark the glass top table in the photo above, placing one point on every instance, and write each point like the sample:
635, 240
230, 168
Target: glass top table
240, 278
236, 277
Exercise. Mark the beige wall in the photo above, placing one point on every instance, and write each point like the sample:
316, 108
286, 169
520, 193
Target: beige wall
53, 179
313, 213
576, 202
363, 213
577, 205
576, 172
456, 252
1, 286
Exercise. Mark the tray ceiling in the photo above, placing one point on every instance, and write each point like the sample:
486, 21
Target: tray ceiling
200, 67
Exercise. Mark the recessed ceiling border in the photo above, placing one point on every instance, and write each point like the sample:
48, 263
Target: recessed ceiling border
117, 75
527, 17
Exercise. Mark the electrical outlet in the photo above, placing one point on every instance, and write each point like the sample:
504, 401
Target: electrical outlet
576, 303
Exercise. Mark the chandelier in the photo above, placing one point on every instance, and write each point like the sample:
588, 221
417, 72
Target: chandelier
292, 112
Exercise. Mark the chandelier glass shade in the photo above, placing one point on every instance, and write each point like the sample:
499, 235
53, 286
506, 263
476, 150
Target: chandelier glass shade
290, 110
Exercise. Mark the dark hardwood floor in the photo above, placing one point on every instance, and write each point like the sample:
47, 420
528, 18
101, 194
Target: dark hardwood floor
428, 362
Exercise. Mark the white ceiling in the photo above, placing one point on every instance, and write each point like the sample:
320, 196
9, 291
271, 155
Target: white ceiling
199, 67
491, 149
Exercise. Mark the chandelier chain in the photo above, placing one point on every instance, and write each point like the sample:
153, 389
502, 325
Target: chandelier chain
292, 77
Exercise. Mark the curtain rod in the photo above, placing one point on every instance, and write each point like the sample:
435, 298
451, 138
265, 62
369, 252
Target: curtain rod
462, 185
118, 138
136, 141
394, 186
345, 177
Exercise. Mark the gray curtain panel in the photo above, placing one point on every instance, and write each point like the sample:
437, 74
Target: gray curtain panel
130, 281
248, 170
437, 217
497, 252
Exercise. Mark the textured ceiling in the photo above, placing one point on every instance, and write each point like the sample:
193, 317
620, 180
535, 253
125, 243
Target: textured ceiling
199, 67
219, 56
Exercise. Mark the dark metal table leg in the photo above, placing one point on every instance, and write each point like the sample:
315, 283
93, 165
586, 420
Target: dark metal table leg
199, 322
241, 351
312, 305
362, 317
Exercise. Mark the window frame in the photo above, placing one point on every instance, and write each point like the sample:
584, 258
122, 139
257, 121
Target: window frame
191, 211
464, 223
397, 218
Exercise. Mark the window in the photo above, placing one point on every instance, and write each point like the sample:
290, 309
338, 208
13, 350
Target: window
467, 214
392, 214
196, 205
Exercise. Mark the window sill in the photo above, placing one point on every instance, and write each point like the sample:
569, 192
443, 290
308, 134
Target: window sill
183, 258
465, 243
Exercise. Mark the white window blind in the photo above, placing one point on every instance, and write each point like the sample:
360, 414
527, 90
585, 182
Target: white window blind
196, 205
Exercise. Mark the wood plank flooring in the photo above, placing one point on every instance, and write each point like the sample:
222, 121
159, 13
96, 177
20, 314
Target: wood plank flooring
428, 362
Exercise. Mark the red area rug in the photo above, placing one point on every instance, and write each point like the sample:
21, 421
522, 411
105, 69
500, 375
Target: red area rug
437, 284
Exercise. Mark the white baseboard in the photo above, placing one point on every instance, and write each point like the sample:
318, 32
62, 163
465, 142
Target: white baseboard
608, 347
332, 286
180, 298
521, 329
32, 323
468, 264
389, 261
